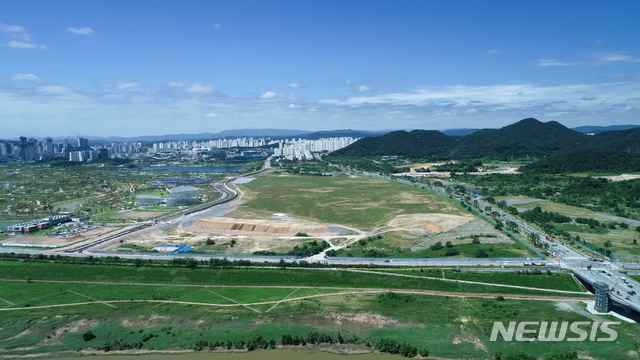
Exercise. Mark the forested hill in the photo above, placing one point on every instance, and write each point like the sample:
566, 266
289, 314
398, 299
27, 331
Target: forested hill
623, 140
586, 160
415, 144
526, 138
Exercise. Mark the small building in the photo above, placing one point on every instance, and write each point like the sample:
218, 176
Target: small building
183, 195
80, 218
149, 200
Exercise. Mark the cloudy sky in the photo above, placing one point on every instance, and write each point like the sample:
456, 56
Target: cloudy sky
121, 67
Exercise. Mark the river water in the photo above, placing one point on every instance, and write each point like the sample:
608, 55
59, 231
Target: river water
280, 354
216, 169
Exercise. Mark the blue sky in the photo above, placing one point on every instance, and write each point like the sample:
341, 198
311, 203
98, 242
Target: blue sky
128, 68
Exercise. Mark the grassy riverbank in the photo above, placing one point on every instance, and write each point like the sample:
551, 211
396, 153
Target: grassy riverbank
177, 308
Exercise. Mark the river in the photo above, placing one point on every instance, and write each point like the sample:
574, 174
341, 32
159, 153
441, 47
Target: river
216, 169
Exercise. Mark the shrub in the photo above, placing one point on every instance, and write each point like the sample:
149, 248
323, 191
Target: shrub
88, 336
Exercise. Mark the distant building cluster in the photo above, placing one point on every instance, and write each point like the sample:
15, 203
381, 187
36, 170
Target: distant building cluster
293, 149
30, 149
232, 150
301, 149
40, 224
178, 196
203, 146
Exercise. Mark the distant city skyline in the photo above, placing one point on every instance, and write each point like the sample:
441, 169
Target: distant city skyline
121, 68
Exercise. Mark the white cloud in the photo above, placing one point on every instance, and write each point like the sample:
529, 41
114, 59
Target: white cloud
268, 95
17, 32
491, 52
551, 62
24, 45
129, 86
616, 76
609, 57
198, 88
20, 37
217, 26
364, 89
81, 31
294, 86
348, 82
26, 77
59, 109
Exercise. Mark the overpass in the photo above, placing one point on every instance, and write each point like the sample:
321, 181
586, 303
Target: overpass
612, 290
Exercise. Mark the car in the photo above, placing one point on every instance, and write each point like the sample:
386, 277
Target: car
630, 286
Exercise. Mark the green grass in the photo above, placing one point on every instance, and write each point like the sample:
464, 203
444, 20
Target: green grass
382, 248
134, 247
242, 277
364, 203
516, 277
424, 321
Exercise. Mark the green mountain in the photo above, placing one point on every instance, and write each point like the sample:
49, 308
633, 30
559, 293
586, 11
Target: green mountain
528, 137
586, 160
417, 144
623, 140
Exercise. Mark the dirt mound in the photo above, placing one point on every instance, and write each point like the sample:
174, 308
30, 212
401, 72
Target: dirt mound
433, 222
260, 227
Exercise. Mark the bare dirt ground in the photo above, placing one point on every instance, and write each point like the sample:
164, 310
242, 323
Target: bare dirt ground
462, 233
435, 223
622, 177
228, 226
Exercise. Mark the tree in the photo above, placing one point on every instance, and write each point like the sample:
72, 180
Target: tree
481, 253
451, 252
567, 355
191, 263
88, 336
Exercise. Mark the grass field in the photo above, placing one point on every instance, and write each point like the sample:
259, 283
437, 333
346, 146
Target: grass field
238, 277
389, 246
361, 202
448, 326
515, 277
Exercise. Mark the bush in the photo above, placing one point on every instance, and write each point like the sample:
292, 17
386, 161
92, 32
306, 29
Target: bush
88, 336
452, 252
481, 254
